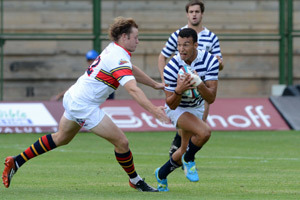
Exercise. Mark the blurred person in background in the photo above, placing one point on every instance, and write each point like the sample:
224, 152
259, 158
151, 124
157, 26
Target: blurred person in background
90, 56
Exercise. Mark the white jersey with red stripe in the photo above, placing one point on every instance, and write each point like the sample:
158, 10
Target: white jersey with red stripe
110, 69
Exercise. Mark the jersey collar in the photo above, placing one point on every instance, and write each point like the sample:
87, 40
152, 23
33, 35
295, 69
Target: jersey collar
123, 48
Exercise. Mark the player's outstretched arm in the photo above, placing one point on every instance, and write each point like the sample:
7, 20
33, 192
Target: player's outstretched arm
143, 78
140, 97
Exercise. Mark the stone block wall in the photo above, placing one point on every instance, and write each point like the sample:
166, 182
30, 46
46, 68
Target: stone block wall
37, 69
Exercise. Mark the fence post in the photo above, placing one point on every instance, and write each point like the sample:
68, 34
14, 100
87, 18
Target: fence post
290, 43
1, 51
282, 43
97, 25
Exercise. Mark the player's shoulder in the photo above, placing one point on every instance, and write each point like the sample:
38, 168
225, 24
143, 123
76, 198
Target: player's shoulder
176, 58
116, 50
178, 30
206, 31
205, 55
109, 50
202, 53
114, 55
174, 62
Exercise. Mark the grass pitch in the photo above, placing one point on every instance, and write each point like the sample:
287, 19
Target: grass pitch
232, 165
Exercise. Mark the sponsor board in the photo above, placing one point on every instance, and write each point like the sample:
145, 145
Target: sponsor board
130, 116
25, 114
245, 114
25, 118
225, 114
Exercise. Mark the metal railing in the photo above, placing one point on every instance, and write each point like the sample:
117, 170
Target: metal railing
284, 37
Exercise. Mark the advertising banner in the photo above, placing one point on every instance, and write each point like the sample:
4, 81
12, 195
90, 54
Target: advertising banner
225, 115
26, 118
245, 114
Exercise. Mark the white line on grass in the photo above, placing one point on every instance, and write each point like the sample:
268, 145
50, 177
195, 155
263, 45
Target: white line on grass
101, 151
164, 154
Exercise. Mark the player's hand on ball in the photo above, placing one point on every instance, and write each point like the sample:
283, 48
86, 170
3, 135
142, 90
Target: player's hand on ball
187, 82
196, 80
184, 83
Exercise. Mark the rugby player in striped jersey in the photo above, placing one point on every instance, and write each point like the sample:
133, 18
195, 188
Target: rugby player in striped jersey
207, 41
186, 112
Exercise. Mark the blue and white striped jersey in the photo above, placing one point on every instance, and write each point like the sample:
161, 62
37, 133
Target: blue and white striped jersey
206, 65
207, 41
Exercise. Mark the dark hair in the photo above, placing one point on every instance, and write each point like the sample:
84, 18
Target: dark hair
188, 32
121, 25
195, 2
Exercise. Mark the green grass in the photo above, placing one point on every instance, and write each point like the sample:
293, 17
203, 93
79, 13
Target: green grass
232, 165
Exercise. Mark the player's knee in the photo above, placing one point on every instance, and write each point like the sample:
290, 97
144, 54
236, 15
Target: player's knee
207, 133
181, 151
63, 141
123, 144
60, 139
204, 134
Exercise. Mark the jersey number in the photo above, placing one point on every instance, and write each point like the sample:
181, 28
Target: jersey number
90, 70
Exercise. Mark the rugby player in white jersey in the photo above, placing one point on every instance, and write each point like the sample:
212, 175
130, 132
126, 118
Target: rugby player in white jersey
186, 113
81, 102
207, 41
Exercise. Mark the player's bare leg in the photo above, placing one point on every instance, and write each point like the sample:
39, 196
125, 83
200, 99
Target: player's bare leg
177, 138
109, 131
67, 130
200, 135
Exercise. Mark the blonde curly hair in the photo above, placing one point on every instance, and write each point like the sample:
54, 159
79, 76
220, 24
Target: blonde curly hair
121, 25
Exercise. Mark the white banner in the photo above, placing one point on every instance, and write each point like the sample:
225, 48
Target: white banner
25, 114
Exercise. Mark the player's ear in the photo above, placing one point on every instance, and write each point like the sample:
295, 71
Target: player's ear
123, 36
196, 45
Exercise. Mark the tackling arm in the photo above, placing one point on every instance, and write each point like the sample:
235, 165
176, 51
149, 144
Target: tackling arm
143, 78
140, 97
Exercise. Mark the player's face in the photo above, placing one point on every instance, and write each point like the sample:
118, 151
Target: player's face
194, 15
131, 41
187, 49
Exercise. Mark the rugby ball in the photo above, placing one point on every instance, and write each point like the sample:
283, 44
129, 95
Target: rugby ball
192, 93
196, 79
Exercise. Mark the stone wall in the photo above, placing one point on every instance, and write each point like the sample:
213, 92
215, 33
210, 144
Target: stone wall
37, 70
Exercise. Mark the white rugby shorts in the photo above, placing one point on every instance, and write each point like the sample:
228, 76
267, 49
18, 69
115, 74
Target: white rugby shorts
84, 114
175, 114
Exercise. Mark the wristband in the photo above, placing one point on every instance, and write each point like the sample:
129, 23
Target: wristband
177, 93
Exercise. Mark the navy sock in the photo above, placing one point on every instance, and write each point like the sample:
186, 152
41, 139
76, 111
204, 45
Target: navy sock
177, 140
191, 151
167, 168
